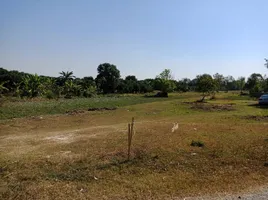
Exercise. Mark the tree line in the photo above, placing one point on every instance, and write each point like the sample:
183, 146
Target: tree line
108, 80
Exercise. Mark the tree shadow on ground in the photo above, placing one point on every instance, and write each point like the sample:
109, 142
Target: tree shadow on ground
259, 106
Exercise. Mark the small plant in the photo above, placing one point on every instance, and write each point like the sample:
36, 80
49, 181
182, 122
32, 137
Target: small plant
197, 143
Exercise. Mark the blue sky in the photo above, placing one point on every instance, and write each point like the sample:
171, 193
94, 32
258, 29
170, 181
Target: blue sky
141, 37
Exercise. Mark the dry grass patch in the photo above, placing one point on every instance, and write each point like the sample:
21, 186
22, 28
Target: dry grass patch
256, 117
212, 107
85, 156
162, 162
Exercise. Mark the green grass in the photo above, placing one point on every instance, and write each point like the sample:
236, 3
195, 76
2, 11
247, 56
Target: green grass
26, 108
20, 109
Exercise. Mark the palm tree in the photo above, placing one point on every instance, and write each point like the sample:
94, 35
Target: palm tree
266, 62
66, 76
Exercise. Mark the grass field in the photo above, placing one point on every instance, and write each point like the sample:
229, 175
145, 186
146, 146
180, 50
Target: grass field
83, 155
25, 108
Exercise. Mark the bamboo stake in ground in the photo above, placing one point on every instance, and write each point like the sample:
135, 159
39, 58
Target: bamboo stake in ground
130, 134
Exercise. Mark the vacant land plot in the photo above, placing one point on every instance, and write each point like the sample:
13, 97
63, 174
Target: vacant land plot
83, 154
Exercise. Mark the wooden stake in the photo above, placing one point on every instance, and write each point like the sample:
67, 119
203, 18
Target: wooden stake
129, 141
130, 134
132, 127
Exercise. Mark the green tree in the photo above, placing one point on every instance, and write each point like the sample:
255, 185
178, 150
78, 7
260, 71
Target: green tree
88, 81
13, 78
88, 86
183, 85
108, 78
265, 84
219, 81
131, 84
166, 75
241, 81
146, 85
164, 81
165, 85
230, 83
206, 85
131, 78
254, 83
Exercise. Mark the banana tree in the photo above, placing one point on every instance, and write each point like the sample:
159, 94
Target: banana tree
71, 89
3, 88
31, 86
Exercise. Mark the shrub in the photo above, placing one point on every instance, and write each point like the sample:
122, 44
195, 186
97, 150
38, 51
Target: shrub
88, 94
197, 143
49, 94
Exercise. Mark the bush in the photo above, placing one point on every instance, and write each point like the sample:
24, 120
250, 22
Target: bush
256, 94
68, 96
88, 94
197, 143
161, 94
50, 95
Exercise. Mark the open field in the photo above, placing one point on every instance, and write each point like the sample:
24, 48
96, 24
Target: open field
83, 155
25, 108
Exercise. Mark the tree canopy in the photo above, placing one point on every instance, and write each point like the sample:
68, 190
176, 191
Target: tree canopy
107, 78
206, 85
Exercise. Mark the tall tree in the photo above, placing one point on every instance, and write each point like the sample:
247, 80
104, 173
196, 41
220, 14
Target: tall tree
146, 85
230, 83
131, 84
266, 62
166, 75
164, 81
241, 83
219, 81
65, 76
183, 85
108, 78
254, 83
131, 78
88, 81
